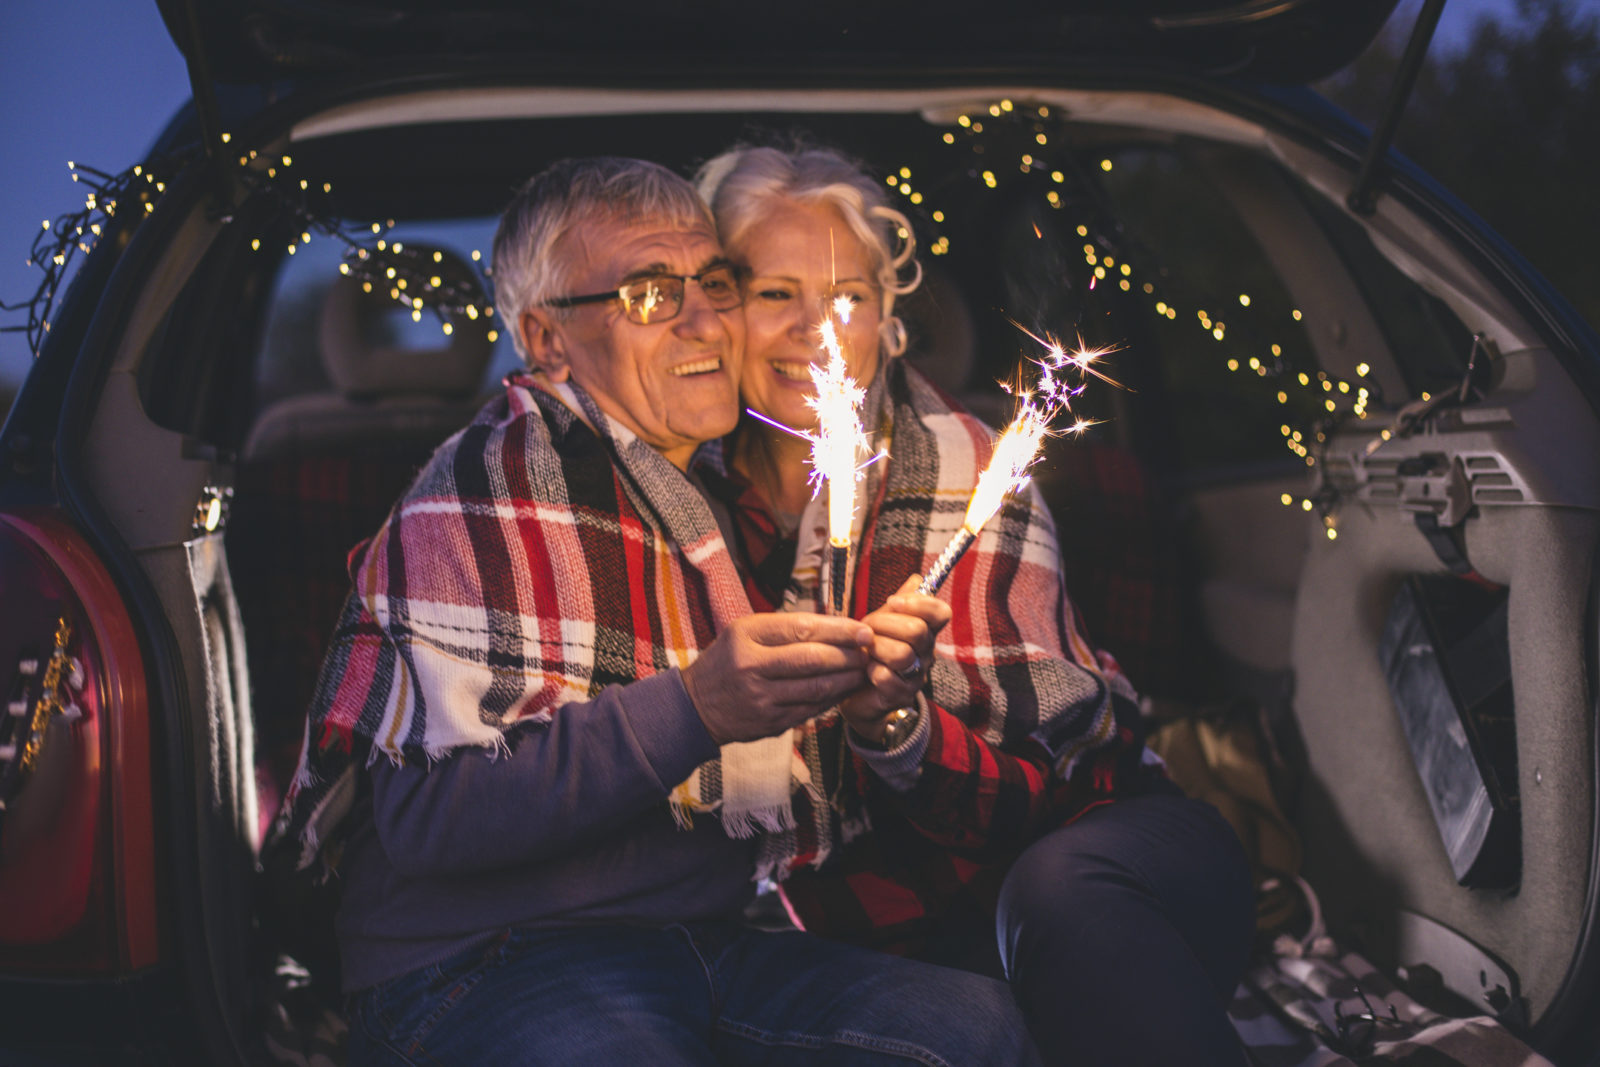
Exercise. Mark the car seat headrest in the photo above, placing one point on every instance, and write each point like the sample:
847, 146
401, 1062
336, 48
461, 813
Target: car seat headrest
361, 358
943, 338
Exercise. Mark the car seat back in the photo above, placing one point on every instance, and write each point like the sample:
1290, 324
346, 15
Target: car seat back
318, 474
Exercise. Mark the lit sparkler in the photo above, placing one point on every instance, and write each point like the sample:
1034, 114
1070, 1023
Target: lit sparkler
833, 449
1018, 447
835, 444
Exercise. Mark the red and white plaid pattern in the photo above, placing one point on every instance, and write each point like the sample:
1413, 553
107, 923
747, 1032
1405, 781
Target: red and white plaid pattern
541, 555
495, 594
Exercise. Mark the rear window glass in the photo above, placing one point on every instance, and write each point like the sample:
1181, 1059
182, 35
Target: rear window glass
292, 360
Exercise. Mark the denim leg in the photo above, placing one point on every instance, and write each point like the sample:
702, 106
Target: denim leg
596, 995
790, 999
1125, 932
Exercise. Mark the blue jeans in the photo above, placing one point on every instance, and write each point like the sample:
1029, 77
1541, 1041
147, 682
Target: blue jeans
695, 993
1125, 933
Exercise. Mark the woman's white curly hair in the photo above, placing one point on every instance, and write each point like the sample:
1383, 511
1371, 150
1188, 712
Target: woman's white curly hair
744, 183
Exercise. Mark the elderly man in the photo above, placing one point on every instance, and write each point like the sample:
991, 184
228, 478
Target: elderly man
555, 745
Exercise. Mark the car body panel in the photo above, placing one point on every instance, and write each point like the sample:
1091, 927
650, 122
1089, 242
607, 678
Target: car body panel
257, 40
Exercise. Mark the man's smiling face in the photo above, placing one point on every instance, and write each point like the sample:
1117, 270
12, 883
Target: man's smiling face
674, 383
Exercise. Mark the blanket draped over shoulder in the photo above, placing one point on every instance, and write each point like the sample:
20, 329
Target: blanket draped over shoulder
545, 553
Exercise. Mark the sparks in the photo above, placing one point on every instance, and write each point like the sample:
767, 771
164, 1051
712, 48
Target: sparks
837, 441
1057, 356
839, 436
1018, 446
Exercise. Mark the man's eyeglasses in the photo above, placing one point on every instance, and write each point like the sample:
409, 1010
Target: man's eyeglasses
659, 297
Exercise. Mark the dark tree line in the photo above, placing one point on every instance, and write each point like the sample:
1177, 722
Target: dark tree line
1511, 125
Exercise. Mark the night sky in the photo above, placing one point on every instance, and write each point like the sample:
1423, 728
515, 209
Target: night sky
96, 80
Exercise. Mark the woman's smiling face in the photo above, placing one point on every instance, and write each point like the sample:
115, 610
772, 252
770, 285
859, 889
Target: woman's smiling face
801, 257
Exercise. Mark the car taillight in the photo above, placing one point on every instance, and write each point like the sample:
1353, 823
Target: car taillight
77, 864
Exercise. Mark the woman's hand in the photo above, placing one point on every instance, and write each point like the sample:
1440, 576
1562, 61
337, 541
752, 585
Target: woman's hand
903, 630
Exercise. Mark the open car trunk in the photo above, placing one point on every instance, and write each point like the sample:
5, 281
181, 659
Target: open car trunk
1229, 535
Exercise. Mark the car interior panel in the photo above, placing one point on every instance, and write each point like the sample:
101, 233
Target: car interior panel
1370, 836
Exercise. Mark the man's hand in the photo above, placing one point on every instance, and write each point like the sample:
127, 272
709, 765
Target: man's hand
903, 630
768, 672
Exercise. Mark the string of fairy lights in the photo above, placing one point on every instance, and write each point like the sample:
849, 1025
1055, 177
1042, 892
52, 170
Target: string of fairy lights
1105, 262
424, 280
58, 243
417, 280
421, 278
413, 278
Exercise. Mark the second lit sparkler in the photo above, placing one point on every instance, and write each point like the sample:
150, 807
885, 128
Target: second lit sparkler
1018, 446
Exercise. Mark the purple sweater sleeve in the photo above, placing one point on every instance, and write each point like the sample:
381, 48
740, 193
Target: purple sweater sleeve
591, 769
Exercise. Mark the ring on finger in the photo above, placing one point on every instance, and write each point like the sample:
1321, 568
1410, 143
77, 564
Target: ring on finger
913, 670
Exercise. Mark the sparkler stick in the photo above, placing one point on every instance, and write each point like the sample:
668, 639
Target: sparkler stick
1014, 453
1018, 446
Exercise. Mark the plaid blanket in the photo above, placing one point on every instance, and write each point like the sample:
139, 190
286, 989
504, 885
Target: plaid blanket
543, 554
1338, 1010
493, 596
1306, 1002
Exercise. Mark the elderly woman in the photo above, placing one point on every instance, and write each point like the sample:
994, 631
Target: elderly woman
997, 761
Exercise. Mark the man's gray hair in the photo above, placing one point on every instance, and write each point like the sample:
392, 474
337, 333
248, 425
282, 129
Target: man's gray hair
743, 184
530, 263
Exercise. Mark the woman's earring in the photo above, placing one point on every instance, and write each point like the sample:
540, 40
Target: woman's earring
894, 336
